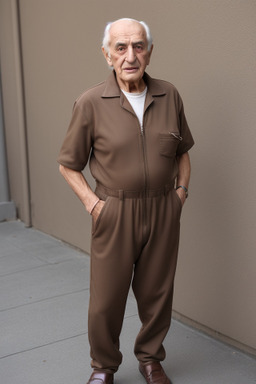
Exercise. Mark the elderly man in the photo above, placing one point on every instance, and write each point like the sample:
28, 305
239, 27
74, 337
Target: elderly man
133, 130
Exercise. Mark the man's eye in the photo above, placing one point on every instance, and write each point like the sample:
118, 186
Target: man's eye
139, 48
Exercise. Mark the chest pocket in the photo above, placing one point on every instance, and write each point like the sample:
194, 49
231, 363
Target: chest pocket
169, 143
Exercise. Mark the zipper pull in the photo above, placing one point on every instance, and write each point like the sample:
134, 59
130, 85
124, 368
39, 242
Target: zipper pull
176, 136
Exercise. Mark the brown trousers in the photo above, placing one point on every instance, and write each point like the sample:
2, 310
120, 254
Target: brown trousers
135, 240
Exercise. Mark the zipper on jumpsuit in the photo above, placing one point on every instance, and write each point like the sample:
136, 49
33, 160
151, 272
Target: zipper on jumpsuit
144, 198
146, 175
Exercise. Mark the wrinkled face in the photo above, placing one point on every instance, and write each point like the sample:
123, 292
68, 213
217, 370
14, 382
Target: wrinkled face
128, 54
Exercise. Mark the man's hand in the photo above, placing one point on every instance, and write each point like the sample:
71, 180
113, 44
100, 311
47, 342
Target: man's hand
183, 175
182, 195
81, 188
97, 209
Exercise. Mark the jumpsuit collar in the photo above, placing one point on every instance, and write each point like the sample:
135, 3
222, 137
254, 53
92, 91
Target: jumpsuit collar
112, 90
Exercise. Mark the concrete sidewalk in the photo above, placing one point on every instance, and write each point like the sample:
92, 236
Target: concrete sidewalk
44, 293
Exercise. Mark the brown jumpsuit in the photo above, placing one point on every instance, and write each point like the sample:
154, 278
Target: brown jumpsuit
135, 239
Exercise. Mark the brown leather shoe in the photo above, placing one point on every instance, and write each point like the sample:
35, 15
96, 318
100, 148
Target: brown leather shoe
101, 378
154, 373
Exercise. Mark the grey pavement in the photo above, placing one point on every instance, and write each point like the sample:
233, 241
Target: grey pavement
44, 293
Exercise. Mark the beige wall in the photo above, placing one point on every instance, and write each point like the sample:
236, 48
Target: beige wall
13, 108
207, 49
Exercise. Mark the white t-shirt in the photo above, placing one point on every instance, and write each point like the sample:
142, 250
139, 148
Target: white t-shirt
137, 101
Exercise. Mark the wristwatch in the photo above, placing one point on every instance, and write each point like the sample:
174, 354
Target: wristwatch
184, 188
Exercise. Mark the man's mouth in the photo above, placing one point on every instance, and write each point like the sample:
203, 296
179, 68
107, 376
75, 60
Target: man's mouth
131, 69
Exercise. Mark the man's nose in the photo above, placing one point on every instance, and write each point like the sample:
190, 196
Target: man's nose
130, 57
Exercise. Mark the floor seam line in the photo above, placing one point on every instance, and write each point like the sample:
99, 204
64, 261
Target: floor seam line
45, 299
44, 345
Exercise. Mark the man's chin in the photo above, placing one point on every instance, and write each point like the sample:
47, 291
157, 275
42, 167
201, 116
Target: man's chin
132, 76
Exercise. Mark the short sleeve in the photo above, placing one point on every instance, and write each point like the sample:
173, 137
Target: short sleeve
187, 141
77, 144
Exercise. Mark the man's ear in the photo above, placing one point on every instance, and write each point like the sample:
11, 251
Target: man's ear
107, 56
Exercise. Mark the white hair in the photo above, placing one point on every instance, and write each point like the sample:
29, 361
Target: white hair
106, 36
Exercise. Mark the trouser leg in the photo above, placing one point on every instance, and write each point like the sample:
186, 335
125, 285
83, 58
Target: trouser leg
154, 276
113, 247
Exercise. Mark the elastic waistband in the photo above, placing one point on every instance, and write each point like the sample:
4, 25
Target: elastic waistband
103, 192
